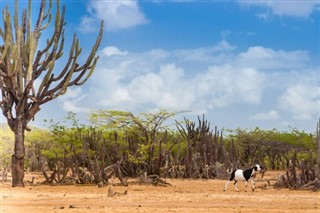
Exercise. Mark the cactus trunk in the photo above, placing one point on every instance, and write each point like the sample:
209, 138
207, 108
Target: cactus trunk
18, 156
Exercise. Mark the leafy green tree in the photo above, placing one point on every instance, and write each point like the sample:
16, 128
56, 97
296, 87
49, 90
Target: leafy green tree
249, 143
272, 147
36, 141
22, 62
66, 139
145, 125
79, 150
6, 143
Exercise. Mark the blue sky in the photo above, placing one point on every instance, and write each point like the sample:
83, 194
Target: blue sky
242, 63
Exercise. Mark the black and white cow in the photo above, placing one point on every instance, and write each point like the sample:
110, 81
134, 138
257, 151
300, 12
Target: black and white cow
240, 175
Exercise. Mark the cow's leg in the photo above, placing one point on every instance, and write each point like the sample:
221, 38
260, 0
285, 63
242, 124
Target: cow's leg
235, 185
253, 184
226, 186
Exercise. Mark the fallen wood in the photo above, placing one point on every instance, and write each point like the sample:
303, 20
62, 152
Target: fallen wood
311, 183
314, 185
153, 180
111, 193
114, 170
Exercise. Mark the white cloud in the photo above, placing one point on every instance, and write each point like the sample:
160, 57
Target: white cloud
111, 51
117, 15
72, 93
160, 89
88, 24
72, 100
217, 86
302, 100
152, 79
163, 79
223, 85
285, 8
70, 106
205, 54
266, 58
264, 16
271, 115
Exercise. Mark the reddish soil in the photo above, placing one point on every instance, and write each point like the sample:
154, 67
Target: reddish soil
184, 196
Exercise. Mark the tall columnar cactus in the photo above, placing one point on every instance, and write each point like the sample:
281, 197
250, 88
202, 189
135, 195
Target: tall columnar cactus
22, 62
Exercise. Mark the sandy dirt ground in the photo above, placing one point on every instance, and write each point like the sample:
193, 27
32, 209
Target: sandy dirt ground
184, 196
